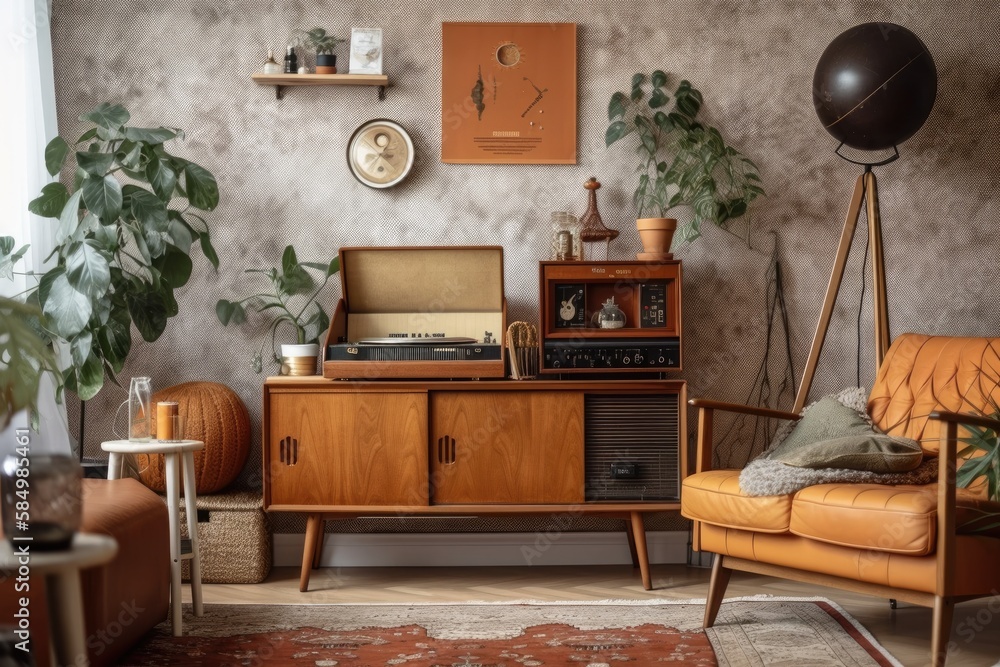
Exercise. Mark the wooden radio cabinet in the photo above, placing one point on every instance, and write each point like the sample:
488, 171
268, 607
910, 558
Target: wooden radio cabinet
614, 448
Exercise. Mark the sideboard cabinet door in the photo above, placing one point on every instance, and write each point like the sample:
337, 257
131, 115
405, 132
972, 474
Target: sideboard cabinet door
506, 447
347, 449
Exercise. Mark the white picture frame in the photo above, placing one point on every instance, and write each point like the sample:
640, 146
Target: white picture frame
366, 51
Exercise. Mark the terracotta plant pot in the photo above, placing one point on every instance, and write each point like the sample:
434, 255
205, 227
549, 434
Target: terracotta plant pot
326, 63
657, 234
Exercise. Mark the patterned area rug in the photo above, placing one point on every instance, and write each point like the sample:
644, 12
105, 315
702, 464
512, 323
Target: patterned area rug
749, 632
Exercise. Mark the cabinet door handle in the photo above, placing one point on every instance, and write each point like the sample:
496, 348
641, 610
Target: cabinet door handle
446, 450
288, 451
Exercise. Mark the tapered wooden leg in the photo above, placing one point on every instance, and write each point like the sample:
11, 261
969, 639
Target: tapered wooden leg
318, 555
716, 590
944, 610
309, 551
639, 536
631, 543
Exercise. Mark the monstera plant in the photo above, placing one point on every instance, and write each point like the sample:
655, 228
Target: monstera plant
123, 235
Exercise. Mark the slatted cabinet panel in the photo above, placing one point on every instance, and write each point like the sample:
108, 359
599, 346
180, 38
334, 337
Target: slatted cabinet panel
513, 447
347, 449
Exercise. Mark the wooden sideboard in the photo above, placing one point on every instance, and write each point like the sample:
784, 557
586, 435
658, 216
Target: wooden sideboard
343, 449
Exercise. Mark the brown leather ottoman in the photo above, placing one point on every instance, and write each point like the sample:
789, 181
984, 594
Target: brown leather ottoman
125, 598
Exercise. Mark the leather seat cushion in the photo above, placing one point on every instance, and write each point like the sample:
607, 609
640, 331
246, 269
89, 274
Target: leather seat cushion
975, 559
715, 497
895, 519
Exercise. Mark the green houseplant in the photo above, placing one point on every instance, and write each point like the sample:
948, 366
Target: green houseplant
121, 249
290, 301
322, 43
24, 356
683, 162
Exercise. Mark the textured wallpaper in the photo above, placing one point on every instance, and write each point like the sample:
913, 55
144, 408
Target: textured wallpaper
282, 172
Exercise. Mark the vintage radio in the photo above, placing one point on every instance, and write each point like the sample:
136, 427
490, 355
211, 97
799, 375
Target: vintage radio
610, 317
418, 312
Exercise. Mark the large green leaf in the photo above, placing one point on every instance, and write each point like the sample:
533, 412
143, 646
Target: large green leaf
658, 78
87, 269
149, 135
174, 266
148, 309
51, 202
208, 249
128, 154
115, 338
616, 131
80, 347
148, 209
107, 237
95, 164
107, 116
162, 178
67, 310
55, 155
658, 99
103, 196
230, 312
90, 377
179, 231
616, 108
202, 190
69, 219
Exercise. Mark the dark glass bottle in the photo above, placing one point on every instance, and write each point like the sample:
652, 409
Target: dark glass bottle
291, 61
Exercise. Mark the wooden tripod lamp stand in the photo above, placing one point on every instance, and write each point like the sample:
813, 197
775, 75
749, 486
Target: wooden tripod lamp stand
865, 191
873, 89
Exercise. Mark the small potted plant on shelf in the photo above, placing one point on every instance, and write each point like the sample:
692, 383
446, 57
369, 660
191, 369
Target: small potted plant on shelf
322, 43
291, 301
682, 163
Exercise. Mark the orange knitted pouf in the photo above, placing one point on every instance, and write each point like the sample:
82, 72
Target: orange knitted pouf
214, 414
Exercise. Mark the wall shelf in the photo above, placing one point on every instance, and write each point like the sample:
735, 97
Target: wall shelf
281, 81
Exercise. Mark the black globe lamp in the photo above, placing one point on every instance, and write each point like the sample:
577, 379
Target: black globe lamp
873, 88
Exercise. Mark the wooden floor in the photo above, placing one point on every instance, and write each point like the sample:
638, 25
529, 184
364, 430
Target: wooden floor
905, 632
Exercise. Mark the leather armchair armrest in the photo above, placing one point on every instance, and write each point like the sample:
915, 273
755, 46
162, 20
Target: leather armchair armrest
947, 465
707, 404
963, 418
706, 417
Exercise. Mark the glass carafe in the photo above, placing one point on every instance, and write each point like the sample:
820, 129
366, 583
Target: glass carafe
140, 401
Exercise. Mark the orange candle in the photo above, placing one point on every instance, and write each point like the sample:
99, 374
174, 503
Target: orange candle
164, 420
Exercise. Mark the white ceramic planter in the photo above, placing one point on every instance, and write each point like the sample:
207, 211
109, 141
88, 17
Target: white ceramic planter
299, 359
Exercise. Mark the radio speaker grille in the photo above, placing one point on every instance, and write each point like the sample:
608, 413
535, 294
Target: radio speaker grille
632, 447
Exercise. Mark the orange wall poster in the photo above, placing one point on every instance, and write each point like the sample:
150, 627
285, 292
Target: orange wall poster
508, 93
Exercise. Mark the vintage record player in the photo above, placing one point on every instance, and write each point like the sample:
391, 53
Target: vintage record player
418, 312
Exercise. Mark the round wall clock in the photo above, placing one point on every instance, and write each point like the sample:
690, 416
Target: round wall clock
380, 153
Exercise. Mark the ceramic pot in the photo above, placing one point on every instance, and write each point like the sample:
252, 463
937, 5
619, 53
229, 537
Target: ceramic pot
326, 63
657, 234
299, 359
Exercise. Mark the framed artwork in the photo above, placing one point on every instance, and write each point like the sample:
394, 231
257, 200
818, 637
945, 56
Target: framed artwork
366, 51
508, 93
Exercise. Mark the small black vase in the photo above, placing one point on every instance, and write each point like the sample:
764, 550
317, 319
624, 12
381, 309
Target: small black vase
326, 63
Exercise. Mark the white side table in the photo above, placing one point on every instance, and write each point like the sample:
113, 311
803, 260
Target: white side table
177, 455
61, 570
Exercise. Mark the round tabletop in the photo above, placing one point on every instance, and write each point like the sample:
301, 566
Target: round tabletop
87, 550
152, 446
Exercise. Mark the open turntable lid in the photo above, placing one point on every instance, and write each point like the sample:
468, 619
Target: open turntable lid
422, 279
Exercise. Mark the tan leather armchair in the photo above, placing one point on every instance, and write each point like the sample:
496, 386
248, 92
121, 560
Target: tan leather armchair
911, 543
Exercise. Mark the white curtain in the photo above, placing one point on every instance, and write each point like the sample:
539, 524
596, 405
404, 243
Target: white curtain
29, 123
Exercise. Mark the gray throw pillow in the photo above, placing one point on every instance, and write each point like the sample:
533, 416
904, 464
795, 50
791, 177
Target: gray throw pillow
832, 435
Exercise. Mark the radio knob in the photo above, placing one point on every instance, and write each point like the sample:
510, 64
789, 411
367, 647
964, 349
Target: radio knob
556, 364
627, 360
661, 360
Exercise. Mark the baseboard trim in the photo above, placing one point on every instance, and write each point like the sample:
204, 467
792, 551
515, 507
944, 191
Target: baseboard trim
479, 549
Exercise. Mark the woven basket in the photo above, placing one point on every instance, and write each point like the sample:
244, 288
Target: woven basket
235, 539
